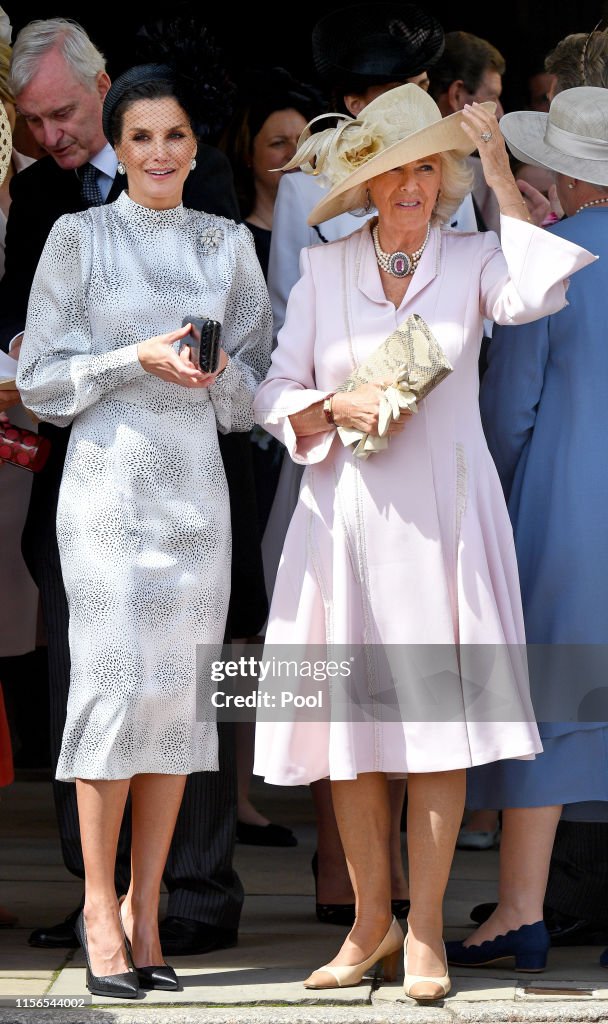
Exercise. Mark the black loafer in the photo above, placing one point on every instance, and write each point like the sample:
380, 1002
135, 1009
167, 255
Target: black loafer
342, 914
400, 909
482, 912
57, 936
573, 931
264, 835
181, 936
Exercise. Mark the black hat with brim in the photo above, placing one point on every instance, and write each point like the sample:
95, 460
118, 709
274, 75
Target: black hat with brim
375, 43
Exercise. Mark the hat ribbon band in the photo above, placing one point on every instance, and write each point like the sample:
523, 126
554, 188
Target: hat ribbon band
576, 145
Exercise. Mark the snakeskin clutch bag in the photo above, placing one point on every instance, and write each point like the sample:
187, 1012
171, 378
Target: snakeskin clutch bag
411, 354
410, 363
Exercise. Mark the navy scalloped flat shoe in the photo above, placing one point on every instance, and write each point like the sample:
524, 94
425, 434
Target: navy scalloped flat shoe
528, 946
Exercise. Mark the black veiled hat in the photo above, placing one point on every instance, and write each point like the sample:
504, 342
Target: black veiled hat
375, 43
124, 83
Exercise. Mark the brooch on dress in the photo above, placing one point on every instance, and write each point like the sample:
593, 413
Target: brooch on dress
211, 237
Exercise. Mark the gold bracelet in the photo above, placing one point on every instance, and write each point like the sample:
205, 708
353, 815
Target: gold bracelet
516, 205
327, 409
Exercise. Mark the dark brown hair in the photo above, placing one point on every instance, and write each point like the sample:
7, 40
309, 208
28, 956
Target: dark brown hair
466, 57
157, 90
261, 94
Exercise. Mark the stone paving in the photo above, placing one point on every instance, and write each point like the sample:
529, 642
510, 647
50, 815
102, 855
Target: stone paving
280, 941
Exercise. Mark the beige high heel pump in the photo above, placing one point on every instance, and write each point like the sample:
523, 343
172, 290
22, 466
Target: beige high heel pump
439, 987
338, 976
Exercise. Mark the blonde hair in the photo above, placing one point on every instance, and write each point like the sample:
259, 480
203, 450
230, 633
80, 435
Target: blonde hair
456, 183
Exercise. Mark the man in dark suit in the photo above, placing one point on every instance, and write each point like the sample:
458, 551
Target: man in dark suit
470, 70
61, 98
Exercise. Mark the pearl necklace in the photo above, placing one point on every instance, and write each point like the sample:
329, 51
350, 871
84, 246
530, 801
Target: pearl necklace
399, 264
592, 202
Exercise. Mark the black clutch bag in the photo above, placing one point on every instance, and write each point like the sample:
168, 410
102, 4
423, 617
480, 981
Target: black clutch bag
203, 342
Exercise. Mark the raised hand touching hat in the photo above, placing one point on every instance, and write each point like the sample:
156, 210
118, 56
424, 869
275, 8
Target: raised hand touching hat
483, 130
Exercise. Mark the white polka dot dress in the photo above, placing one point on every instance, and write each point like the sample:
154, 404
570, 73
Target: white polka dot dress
143, 519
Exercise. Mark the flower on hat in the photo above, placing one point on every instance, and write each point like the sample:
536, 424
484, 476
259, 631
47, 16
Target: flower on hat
332, 155
400, 125
357, 145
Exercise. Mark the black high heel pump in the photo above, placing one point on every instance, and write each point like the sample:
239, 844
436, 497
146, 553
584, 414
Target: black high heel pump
163, 978
121, 986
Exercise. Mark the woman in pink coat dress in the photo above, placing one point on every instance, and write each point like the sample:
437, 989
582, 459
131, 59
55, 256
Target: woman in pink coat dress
413, 545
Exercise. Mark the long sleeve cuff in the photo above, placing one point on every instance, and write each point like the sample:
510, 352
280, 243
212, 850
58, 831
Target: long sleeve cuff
539, 263
303, 450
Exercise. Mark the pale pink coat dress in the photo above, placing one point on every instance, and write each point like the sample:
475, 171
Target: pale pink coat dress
412, 546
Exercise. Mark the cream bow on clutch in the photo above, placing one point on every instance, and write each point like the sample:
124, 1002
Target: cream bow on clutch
410, 362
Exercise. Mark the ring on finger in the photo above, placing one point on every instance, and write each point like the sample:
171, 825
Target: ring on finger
486, 136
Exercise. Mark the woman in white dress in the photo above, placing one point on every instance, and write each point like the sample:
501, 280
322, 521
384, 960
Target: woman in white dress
143, 519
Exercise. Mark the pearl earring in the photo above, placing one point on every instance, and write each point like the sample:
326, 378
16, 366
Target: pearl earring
570, 184
193, 164
121, 168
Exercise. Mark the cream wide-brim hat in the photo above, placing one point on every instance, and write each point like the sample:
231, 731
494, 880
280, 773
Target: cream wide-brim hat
571, 139
6, 143
400, 125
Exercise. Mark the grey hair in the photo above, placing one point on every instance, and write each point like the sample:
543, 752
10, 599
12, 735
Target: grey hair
456, 183
40, 37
